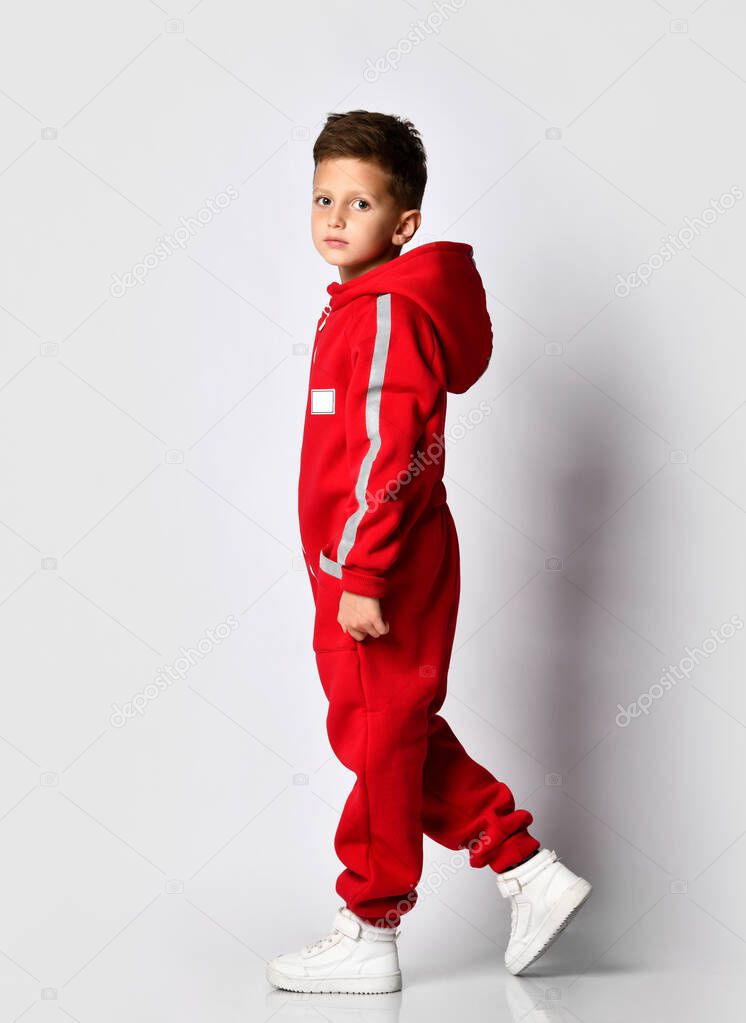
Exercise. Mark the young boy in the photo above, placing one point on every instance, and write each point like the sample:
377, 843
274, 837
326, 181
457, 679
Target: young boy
382, 555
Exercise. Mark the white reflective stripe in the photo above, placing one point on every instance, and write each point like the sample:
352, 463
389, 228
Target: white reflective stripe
372, 420
330, 566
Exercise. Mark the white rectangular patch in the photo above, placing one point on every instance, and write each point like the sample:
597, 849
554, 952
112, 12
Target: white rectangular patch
322, 401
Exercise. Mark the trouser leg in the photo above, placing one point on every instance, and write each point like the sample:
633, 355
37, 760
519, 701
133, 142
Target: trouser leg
464, 805
378, 730
380, 692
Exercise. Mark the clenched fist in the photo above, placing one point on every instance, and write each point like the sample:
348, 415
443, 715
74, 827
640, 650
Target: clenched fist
361, 616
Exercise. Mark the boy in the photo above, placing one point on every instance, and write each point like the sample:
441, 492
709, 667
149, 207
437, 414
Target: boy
382, 555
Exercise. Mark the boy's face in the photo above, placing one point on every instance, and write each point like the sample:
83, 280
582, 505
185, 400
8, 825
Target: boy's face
351, 203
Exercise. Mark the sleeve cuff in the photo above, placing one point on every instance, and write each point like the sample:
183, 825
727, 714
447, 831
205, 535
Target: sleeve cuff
365, 585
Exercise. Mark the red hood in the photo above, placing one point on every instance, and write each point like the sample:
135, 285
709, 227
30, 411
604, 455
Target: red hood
442, 278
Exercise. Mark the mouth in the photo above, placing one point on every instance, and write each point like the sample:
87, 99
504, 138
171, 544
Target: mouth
335, 241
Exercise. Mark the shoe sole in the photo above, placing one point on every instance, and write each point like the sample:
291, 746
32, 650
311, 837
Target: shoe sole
566, 908
337, 985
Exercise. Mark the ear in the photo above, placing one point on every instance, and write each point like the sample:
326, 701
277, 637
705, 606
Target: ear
407, 227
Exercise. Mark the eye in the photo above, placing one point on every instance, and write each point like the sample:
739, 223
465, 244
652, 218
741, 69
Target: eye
363, 201
318, 200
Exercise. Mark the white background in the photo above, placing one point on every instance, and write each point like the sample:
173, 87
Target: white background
149, 458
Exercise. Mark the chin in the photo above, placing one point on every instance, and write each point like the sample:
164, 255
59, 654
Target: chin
337, 257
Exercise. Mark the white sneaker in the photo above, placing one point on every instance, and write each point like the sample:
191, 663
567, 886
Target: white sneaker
356, 958
544, 896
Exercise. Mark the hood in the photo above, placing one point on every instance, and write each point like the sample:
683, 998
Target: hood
442, 278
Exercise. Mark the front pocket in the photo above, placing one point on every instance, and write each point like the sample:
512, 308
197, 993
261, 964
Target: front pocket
327, 632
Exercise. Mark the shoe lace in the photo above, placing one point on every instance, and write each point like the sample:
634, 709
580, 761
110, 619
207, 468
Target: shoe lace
322, 942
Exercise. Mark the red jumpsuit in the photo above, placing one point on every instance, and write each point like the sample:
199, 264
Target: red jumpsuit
373, 519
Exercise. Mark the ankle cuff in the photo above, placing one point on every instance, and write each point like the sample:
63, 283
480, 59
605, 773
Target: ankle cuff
352, 926
513, 881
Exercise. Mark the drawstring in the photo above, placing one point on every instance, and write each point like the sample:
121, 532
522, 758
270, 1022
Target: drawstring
325, 314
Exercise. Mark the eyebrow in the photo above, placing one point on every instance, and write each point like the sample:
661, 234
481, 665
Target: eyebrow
353, 191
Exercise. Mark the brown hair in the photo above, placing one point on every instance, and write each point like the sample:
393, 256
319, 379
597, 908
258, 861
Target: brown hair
390, 141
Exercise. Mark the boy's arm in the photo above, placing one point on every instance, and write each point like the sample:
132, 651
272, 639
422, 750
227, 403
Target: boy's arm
392, 392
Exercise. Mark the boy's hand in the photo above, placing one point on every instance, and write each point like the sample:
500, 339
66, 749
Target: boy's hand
361, 616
